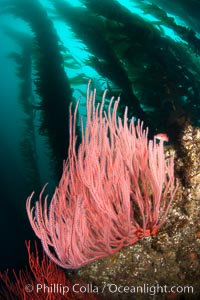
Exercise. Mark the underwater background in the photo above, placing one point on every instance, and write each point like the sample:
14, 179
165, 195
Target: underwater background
146, 52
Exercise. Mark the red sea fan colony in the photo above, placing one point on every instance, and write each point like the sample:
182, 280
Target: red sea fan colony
116, 189
42, 280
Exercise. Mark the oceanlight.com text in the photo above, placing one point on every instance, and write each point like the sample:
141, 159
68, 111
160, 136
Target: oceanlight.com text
110, 288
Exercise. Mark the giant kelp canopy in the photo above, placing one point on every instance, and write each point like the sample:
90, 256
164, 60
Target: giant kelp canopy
50, 79
23, 61
158, 76
146, 52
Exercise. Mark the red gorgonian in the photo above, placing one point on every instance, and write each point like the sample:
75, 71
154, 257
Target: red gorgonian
42, 280
114, 190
